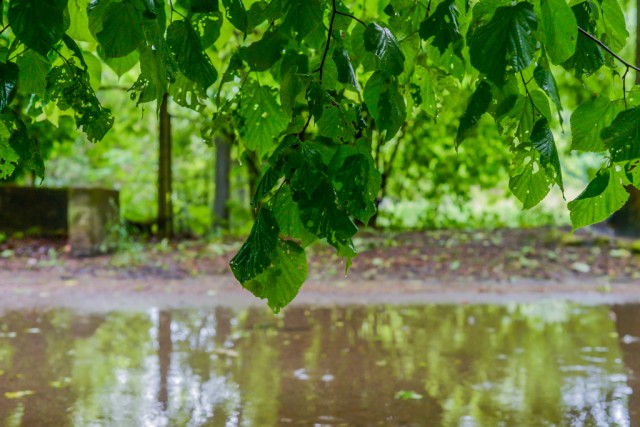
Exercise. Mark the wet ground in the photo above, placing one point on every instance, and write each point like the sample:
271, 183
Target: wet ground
535, 364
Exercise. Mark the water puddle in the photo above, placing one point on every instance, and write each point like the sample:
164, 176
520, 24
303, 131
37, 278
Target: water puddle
435, 365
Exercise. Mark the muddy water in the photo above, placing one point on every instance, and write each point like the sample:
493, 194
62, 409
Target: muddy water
435, 365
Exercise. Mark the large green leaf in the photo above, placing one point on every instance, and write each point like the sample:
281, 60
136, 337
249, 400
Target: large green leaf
9, 73
478, 105
121, 31
263, 119
614, 24
442, 25
604, 195
622, 137
208, 27
385, 103
21, 145
506, 44
559, 29
302, 18
588, 121
38, 24
336, 123
79, 27
545, 80
236, 14
262, 54
33, 73
381, 42
588, 57
192, 61
279, 284
120, 65
256, 254
9, 159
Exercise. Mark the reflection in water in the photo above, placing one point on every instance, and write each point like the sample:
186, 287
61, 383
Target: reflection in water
433, 365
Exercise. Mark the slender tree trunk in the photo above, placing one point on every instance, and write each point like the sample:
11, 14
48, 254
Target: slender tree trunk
223, 144
626, 221
165, 207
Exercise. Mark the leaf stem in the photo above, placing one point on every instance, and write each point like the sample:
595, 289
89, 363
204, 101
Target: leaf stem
348, 15
607, 48
4, 28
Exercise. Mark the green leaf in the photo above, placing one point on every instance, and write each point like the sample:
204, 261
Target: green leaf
38, 24
529, 181
542, 140
322, 216
291, 85
23, 144
156, 69
588, 120
559, 29
262, 54
236, 14
9, 159
353, 183
120, 65
478, 105
287, 213
79, 27
385, 103
187, 93
336, 123
443, 26
256, 254
192, 61
614, 24
263, 119
203, 6
381, 42
588, 57
622, 137
269, 179
121, 31
302, 18
208, 27
281, 282
506, 43
346, 73
545, 80
541, 103
70, 87
9, 73
604, 195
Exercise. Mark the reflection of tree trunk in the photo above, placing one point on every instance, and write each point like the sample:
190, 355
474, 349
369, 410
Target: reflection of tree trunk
628, 324
223, 184
626, 221
164, 356
165, 207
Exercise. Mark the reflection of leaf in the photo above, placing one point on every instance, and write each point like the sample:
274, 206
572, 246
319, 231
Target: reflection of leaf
18, 394
407, 395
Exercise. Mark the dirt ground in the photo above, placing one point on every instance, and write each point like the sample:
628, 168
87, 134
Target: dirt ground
396, 268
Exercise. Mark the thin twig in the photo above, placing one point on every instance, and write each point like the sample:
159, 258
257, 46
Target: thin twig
607, 48
4, 28
348, 15
326, 49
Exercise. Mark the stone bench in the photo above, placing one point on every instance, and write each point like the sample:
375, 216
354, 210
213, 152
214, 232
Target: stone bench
85, 215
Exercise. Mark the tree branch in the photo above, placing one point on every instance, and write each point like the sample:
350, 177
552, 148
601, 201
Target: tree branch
348, 15
607, 48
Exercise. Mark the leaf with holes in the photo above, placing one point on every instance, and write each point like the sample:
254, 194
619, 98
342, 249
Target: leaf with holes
443, 26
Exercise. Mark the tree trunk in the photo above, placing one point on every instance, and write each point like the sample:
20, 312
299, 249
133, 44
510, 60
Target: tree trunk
223, 144
626, 221
165, 207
